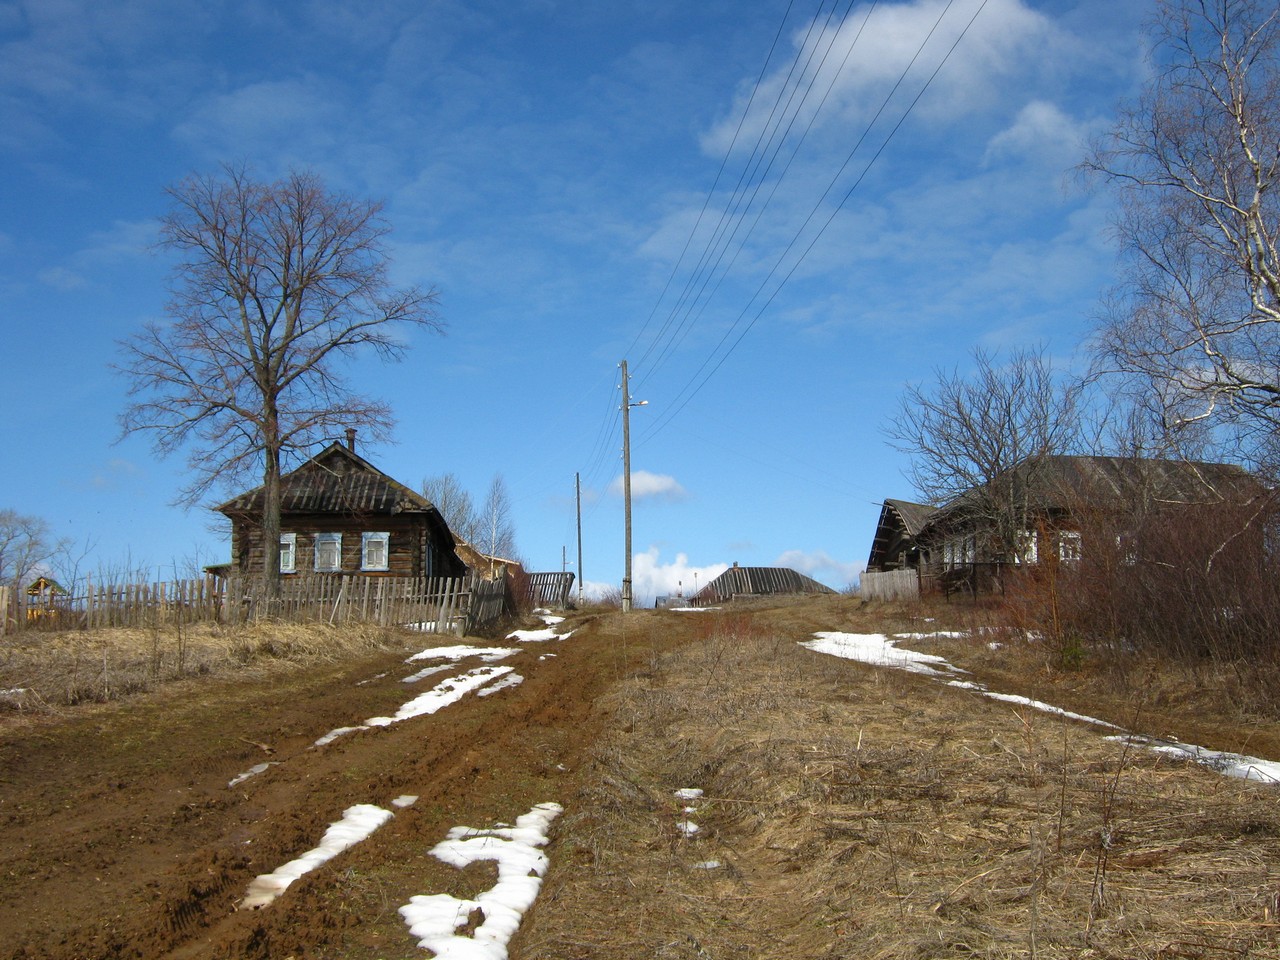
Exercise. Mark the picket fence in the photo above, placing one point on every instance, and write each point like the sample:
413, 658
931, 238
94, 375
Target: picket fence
438, 604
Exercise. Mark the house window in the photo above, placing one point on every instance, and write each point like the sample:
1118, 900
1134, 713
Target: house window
374, 552
328, 552
1069, 546
288, 553
1028, 547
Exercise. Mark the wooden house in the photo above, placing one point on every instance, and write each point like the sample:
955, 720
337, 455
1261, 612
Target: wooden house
341, 515
1061, 509
896, 544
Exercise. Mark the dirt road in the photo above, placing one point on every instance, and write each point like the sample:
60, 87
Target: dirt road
845, 811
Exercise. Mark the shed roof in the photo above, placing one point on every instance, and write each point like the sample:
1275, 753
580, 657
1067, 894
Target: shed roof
755, 581
337, 480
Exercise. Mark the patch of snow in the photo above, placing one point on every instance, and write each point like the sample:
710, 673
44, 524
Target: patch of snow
687, 827
1229, 764
462, 651
356, 824
708, 865
253, 771
442, 694
533, 636
435, 920
1028, 702
510, 680
333, 735
879, 650
361, 683
688, 793
407, 800
426, 672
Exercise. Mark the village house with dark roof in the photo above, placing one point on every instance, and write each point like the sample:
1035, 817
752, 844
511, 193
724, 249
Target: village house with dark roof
1050, 501
341, 515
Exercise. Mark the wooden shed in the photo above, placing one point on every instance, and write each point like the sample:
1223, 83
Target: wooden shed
341, 515
740, 583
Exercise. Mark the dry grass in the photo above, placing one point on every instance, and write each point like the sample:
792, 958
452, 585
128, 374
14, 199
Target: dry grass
42, 671
861, 812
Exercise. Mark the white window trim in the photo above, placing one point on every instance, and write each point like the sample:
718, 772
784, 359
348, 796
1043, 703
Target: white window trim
334, 538
288, 553
1069, 546
368, 538
1028, 547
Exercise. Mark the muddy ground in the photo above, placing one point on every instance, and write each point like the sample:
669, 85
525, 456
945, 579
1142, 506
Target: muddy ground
846, 811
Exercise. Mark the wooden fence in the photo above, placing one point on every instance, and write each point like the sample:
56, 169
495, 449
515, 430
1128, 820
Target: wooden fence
439, 604
890, 585
549, 589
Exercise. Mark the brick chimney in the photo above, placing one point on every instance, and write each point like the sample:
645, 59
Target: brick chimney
351, 439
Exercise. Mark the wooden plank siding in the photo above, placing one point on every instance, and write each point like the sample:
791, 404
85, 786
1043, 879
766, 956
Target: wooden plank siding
410, 550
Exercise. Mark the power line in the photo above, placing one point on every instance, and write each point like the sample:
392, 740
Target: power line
735, 211
694, 385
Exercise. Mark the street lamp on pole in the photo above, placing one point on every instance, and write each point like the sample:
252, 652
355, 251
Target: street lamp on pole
626, 483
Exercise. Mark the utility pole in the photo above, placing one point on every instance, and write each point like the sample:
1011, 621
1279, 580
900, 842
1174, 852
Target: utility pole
577, 489
626, 481
626, 488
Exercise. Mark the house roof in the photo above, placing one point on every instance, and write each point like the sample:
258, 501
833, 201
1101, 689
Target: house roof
899, 520
1066, 481
336, 480
738, 581
913, 515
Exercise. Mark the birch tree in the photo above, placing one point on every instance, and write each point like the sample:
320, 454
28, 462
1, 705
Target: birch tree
1195, 160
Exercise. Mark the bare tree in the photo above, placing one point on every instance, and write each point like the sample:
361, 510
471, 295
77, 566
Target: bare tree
454, 503
495, 521
1195, 160
25, 544
966, 434
276, 282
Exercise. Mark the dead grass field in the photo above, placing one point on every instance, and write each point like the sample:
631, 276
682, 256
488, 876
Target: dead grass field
42, 672
862, 812
848, 811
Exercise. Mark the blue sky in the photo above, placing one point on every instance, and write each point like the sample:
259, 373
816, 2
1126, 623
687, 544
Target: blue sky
546, 165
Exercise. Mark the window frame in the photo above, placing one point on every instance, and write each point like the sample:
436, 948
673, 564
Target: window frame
288, 553
369, 537
327, 538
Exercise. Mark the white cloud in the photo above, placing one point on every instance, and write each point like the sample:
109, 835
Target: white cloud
651, 578
651, 486
821, 566
1041, 130
60, 278
295, 117
1007, 37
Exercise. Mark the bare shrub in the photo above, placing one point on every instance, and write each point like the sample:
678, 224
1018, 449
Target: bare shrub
1194, 585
